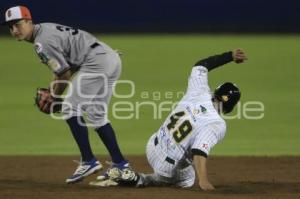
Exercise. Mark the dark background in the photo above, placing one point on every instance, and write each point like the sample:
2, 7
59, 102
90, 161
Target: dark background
167, 15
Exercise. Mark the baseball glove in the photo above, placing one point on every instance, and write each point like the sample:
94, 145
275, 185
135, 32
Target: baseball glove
46, 102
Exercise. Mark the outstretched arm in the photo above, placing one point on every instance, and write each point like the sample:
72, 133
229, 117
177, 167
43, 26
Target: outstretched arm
237, 55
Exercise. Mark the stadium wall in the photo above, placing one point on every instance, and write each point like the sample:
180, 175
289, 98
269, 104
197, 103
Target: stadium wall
168, 15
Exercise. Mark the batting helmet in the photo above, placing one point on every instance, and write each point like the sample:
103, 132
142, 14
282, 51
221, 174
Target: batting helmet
229, 95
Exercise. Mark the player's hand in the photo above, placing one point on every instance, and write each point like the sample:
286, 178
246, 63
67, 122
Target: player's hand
44, 101
238, 55
206, 186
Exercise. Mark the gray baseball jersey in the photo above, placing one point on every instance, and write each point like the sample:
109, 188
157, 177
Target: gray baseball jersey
61, 47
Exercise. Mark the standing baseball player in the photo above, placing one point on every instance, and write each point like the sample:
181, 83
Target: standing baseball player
189, 132
93, 66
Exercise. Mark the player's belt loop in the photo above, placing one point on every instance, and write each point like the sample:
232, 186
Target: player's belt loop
94, 45
155, 141
168, 159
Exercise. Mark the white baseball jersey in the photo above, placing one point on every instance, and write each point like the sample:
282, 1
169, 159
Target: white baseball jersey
194, 126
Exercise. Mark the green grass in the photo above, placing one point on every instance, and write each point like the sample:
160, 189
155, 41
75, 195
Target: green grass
161, 63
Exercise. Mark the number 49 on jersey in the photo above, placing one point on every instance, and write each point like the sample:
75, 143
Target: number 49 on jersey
182, 129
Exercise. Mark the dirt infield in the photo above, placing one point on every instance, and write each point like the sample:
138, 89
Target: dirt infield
234, 177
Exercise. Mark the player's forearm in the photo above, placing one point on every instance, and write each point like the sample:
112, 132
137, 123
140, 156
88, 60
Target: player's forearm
59, 88
200, 164
60, 83
215, 61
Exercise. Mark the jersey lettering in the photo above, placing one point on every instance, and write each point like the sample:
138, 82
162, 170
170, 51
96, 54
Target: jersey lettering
64, 28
